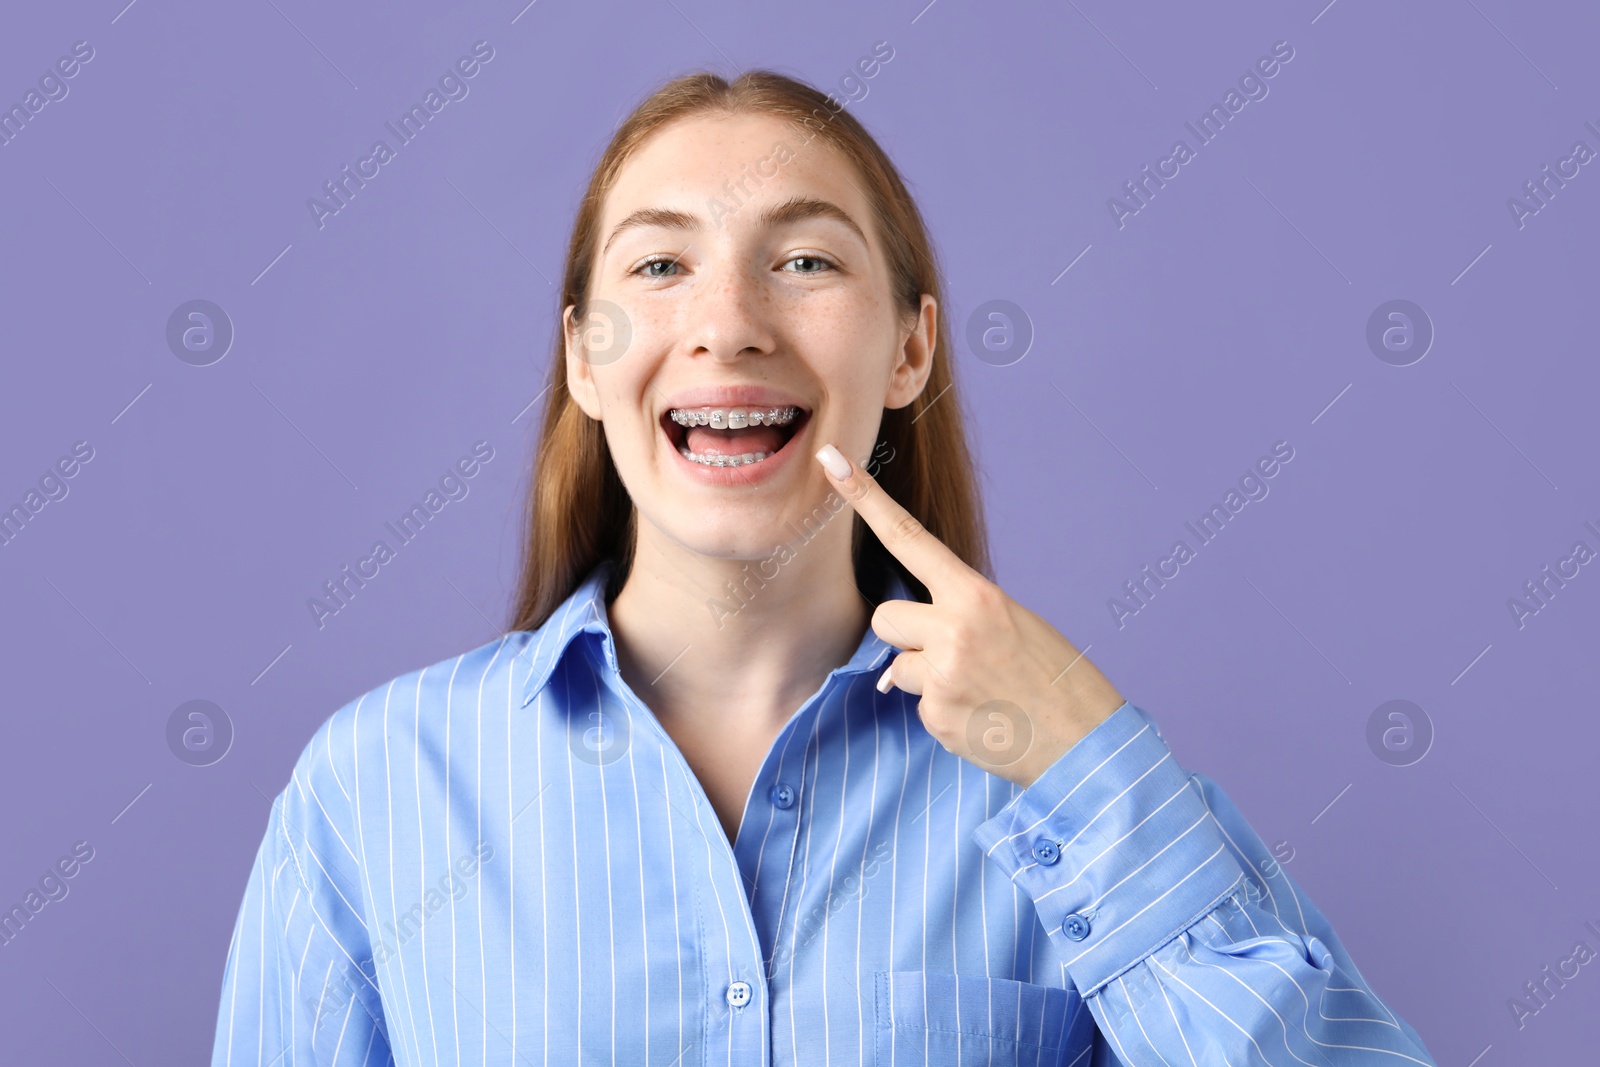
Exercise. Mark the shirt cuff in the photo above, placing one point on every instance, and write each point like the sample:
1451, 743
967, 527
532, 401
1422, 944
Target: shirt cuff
1115, 846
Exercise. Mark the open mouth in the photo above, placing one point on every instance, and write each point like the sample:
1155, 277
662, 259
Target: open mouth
732, 436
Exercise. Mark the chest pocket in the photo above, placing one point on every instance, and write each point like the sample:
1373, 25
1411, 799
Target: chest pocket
950, 1020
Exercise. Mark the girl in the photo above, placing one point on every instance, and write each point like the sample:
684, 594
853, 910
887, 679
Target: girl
767, 770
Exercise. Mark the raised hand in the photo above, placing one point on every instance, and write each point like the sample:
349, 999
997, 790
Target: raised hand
1000, 687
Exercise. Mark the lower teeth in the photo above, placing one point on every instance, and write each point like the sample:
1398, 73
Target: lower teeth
724, 461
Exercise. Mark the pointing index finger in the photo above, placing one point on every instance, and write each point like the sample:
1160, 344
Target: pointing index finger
924, 555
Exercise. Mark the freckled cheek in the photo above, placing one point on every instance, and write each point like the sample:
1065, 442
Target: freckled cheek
835, 311
650, 316
625, 400
851, 350
845, 344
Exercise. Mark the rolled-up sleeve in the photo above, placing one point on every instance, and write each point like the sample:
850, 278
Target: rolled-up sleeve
299, 984
1187, 940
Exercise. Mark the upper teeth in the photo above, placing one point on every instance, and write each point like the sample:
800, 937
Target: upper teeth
733, 418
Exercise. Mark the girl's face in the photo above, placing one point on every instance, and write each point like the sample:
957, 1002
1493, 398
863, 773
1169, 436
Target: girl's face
739, 271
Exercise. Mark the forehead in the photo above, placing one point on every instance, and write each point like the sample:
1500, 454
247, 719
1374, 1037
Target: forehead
705, 164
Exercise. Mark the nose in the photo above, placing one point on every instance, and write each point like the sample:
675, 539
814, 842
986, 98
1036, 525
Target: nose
728, 316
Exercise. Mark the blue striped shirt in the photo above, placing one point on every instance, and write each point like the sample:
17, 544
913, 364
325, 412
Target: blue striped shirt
502, 858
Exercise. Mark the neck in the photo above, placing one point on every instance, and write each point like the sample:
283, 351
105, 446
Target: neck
739, 643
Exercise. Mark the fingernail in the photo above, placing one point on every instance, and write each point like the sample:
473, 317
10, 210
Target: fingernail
833, 462
884, 682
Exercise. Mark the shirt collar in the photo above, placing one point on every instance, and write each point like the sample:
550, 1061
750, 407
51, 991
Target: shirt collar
584, 611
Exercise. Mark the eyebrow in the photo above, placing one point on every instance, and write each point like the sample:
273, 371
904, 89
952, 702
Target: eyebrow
795, 209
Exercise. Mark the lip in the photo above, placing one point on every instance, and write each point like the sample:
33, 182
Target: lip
735, 396
728, 396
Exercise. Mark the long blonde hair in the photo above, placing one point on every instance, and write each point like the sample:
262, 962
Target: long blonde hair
578, 511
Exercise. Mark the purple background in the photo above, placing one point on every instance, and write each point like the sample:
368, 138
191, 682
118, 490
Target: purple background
1228, 314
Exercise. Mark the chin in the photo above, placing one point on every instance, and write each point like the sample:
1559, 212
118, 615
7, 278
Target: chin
737, 540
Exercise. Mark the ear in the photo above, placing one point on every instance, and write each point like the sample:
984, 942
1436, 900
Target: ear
580, 374
914, 360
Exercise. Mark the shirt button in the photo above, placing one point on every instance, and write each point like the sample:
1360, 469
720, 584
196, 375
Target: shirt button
782, 795
1045, 851
1075, 927
739, 994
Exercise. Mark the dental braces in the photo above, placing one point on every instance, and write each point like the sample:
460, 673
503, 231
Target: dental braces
723, 419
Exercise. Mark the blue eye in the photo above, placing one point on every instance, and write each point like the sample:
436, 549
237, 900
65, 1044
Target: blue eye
814, 259
671, 261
